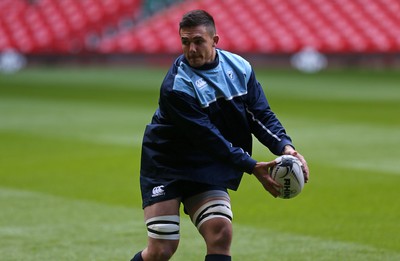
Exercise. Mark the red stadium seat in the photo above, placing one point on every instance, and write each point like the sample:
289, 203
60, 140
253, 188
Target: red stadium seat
59, 26
258, 26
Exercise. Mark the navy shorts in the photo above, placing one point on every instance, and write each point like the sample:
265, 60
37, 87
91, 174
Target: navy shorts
158, 190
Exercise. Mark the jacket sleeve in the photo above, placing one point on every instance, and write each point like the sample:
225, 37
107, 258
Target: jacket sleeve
263, 122
186, 114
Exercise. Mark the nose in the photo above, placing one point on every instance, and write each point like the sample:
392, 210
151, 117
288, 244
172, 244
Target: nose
192, 48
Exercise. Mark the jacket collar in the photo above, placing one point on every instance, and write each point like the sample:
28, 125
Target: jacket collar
207, 66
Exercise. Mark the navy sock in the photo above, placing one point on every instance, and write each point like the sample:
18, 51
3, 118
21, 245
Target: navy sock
137, 257
215, 257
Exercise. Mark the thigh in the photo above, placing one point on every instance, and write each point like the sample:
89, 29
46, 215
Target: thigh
161, 203
163, 208
163, 225
211, 213
208, 205
159, 190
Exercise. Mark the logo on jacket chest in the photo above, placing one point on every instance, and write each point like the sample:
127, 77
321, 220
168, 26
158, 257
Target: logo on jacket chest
230, 74
200, 83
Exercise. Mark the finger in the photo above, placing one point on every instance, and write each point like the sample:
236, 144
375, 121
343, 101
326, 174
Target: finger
274, 183
304, 167
306, 174
306, 171
272, 186
273, 191
269, 181
270, 164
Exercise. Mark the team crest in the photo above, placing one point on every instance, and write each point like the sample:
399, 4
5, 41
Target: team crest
230, 74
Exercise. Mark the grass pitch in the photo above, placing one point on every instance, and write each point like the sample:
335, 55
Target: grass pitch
69, 162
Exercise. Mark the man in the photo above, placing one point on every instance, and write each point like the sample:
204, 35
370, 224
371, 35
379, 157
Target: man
199, 142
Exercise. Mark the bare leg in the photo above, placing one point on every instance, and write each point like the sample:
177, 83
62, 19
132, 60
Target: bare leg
216, 231
161, 249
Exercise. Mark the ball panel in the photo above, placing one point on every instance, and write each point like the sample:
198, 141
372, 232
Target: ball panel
289, 174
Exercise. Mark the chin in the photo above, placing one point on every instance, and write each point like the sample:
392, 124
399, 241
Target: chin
195, 65
196, 62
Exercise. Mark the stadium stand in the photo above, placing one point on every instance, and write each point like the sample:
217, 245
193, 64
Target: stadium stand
149, 26
276, 26
61, 26
151, 7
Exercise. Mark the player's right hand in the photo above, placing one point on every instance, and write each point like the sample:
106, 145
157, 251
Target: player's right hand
261, 171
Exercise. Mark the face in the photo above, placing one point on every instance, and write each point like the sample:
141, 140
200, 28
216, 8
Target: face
198, 45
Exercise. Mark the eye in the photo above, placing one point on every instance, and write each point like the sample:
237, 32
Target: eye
198, 42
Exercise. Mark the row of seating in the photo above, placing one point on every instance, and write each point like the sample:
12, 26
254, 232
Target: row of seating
255, 26
60, 26
275, 26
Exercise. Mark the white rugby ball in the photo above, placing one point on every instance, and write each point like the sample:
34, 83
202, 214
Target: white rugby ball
289, 174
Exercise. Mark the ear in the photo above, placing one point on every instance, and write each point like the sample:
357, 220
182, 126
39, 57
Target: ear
216, 39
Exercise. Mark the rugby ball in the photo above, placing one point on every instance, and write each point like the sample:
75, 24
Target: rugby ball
289, 174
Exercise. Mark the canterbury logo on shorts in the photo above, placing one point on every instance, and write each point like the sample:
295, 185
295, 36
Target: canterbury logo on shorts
158, 191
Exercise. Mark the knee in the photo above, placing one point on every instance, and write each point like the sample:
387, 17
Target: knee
218, 235
162, 255
161, 252
223, 234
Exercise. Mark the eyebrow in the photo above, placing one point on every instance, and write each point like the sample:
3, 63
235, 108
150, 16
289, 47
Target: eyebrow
194, 38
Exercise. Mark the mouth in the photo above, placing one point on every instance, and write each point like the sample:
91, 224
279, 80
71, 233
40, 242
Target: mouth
194, 57
195, 60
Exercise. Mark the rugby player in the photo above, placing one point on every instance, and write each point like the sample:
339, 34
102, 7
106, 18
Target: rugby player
199, 143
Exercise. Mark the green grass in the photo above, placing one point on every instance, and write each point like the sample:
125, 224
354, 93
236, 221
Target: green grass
70, 153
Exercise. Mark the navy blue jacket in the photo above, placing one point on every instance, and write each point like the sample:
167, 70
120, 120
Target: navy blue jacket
202, 130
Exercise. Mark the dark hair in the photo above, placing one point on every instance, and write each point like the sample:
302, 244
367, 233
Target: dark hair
196, 18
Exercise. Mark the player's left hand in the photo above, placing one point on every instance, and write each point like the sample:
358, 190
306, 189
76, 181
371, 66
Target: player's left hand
289, 150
